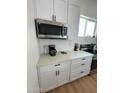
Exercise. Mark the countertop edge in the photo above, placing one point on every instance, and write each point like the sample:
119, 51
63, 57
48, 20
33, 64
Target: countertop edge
41, 65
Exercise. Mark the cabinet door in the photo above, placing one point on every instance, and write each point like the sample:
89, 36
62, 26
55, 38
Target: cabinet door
44, 9
60, 10
64, 71
48, 80
73, 21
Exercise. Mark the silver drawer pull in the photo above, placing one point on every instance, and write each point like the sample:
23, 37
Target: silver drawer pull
82, 72
83, 59
57, 65
56, 73
82, 64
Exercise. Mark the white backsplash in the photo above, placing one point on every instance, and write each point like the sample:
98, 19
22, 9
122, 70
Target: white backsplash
63, 45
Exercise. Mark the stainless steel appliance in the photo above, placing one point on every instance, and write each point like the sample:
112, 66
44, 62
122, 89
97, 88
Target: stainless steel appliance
91, 48
50, 29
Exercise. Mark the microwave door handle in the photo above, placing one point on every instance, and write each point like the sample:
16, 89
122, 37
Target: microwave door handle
63, 31
37, 30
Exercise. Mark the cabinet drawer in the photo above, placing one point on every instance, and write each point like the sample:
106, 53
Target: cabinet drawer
54, 66
47, 68
75, 76
81, 68
62, 65
81, 62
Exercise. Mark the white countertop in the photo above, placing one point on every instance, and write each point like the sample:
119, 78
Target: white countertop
46, 59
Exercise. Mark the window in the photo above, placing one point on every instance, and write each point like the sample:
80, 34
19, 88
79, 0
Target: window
87, 27
82, 27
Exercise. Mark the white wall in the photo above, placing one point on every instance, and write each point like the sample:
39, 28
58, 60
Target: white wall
32, 51
89, 8
62, 45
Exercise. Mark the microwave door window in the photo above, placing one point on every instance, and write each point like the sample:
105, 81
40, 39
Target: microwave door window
55, 31
42, 29
46, 29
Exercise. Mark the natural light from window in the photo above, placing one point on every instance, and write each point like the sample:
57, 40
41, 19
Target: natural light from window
82, 27
90, 28
87, 27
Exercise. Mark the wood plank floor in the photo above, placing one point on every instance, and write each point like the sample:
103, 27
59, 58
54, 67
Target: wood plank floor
87, 84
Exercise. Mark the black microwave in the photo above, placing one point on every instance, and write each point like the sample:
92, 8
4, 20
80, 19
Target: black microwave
46, 29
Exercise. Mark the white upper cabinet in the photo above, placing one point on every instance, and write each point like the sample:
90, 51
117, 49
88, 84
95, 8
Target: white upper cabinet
73, 19
60, 10
47, 9
44, 9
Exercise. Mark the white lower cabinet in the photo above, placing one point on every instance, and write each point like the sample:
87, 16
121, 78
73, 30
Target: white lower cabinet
63, 76
55, 75
48, 80
80, 67
78, 75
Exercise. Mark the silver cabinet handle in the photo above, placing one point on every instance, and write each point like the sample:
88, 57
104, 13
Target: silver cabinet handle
82, 72
82, 64
53, 17
57, 64
56, 73
84, 59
